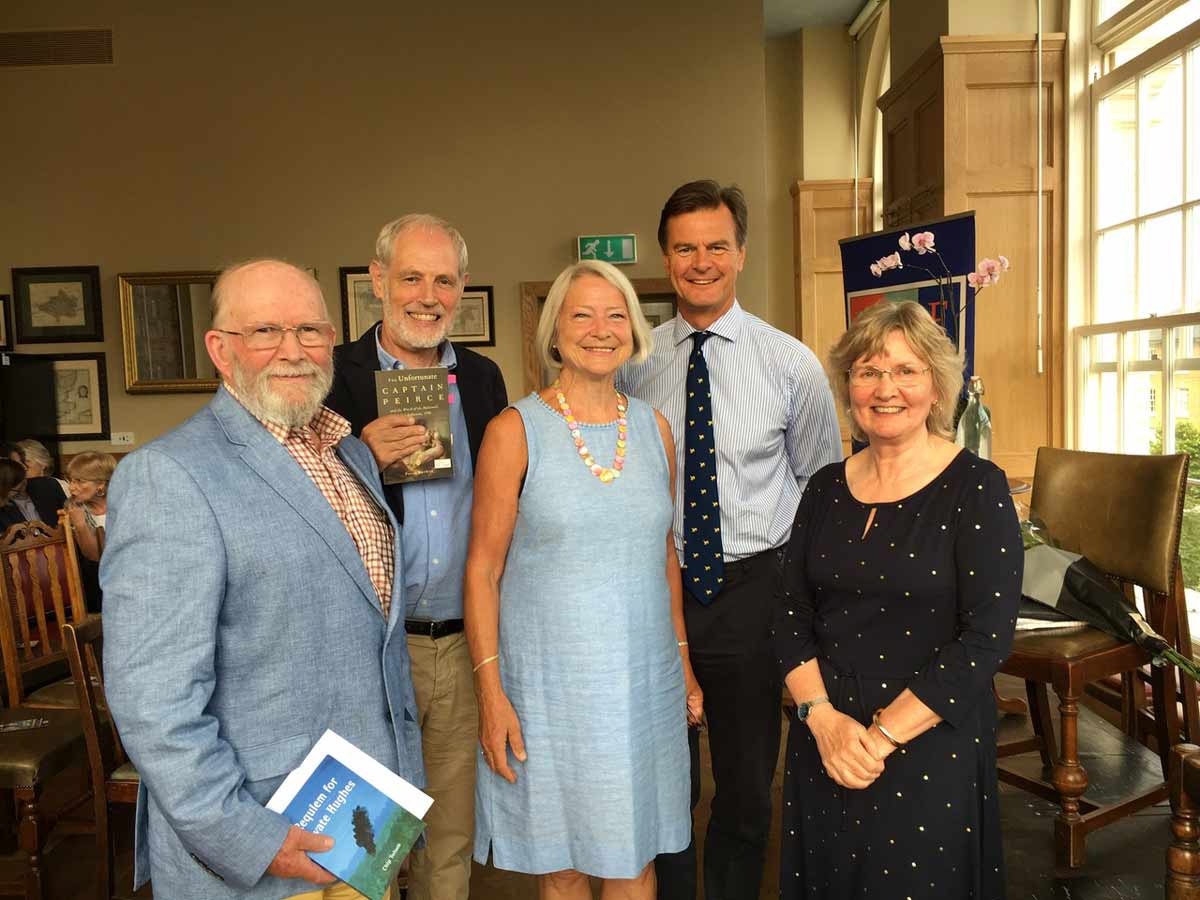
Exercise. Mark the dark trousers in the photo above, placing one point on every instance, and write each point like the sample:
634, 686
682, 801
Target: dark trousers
730, 647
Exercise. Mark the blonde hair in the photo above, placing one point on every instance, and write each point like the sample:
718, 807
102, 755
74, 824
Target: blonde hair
92, 466
547, 330
866, 338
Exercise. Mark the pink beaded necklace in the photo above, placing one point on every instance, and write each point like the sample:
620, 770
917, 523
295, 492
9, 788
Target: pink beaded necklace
605, 475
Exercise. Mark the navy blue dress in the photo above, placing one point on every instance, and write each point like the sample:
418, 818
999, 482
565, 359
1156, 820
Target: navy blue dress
926, 601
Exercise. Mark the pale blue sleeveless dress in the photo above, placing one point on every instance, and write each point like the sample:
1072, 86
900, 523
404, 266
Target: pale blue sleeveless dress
589, 659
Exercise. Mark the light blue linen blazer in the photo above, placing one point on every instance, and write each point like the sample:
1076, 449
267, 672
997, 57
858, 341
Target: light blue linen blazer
240, 623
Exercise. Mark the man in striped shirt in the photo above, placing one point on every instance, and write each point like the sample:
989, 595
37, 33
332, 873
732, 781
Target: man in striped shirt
773, 424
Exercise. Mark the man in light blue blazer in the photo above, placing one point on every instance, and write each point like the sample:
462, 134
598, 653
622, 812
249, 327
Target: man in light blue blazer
252, 598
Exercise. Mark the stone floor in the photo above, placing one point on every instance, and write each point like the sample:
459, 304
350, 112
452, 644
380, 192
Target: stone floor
1125, 861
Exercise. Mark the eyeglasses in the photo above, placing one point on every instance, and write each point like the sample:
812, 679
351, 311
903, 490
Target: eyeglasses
268, 337
902, 376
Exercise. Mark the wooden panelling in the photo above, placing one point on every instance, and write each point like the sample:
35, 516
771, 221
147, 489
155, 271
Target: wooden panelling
823, 214
985, 158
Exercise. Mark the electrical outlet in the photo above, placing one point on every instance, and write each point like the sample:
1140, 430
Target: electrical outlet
122, 437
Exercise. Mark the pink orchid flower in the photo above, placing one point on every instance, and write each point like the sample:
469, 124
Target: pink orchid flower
973, 280
905, 242
894, 261
1003, 263
922, 242
876, 270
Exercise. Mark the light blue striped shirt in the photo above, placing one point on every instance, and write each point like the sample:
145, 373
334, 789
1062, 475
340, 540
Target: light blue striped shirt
437, 516
774, 421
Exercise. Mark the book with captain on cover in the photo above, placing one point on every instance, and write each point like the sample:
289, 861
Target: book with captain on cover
373, 815
423, 394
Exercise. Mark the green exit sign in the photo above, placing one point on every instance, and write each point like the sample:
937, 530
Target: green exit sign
618, 249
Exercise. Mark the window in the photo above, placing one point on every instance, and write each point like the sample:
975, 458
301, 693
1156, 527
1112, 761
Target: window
1139, 353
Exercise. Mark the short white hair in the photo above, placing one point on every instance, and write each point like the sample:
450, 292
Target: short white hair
392, 230
547, 330
35, 451
221, 285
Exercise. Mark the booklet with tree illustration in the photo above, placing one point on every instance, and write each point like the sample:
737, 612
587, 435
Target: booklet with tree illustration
373, 815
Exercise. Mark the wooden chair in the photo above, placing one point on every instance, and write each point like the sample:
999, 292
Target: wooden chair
40, 590
1123, 513
114, 778
1183, 855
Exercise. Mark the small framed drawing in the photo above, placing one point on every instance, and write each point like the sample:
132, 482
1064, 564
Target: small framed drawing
658, 311
57, 305
473, 323
6, 335
360, 307
81, 397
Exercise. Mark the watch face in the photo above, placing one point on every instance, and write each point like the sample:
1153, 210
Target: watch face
802, 711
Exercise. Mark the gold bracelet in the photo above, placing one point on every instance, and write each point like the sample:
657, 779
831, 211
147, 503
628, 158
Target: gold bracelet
886, 734
485, 662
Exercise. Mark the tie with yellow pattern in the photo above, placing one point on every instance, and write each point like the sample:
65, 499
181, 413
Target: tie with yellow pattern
703, 558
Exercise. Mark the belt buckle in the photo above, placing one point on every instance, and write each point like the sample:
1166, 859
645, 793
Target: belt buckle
435, 629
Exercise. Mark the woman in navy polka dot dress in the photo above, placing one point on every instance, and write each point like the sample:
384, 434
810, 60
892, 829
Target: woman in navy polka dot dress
898, 602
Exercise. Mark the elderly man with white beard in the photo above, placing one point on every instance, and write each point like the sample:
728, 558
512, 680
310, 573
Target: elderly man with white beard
253, 588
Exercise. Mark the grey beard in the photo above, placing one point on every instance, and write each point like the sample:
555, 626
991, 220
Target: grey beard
255, 393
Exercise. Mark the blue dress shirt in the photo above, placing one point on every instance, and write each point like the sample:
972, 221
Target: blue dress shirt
774, 422
437, 517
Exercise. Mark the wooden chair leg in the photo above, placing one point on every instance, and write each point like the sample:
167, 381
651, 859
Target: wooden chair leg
1070, 780
1043, 725
105, 887
1166, 714
1183, 855
29, 838
1191, 708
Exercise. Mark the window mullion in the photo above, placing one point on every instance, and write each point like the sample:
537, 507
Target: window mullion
1168, 381
1121, 376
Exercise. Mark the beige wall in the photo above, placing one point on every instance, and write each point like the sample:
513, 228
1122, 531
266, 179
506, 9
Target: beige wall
1003, 16
917, 24
234, 132
828, 86
784, 104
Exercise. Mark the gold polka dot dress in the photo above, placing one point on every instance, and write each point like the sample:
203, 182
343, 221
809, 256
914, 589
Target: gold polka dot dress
926, 600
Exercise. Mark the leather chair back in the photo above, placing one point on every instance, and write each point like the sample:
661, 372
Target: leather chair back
1111, 508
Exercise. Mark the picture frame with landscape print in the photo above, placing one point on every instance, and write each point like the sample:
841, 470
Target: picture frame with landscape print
81, 397
475, 318
360, 307
6, 333
55, 305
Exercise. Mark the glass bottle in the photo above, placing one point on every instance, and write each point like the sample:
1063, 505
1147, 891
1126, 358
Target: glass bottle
974, 430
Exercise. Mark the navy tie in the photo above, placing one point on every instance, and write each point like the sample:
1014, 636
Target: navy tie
703, 558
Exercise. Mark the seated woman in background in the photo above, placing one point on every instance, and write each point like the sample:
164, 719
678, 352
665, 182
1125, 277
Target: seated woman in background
89, 475
899, 599
24, 499
38, 461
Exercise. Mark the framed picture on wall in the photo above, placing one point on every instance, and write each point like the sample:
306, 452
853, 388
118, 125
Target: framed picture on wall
6, 334
475, 318
658, 311
81, 397
57, 305
360, 307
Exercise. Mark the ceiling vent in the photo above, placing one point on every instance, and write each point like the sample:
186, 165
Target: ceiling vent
78, 47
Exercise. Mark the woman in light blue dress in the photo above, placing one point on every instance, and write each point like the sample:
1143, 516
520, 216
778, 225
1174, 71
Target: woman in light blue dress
574, 614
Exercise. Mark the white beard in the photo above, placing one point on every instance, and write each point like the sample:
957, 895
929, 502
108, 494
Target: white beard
256, 393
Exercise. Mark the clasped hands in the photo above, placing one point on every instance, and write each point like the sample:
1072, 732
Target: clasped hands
853, 755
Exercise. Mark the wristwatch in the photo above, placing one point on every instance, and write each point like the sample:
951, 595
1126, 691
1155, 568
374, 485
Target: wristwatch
803, 709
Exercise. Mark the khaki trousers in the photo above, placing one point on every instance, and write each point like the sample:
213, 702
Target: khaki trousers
339, 891
446, 711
